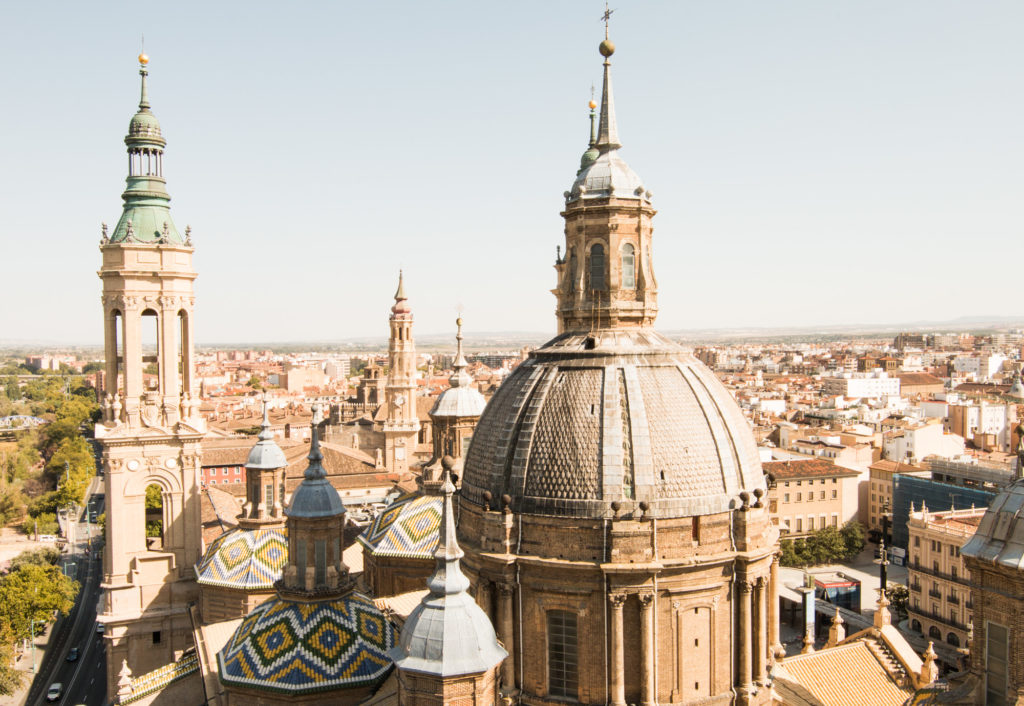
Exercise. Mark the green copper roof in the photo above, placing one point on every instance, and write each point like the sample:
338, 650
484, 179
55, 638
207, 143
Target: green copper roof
146, 217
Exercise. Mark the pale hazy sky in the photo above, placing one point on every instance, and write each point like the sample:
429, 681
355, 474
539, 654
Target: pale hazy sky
811, 162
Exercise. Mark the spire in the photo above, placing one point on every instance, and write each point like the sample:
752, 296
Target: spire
447, 578
459, 377
265, 433
144, 98
400, 292
608, 131
315, 470
592, 153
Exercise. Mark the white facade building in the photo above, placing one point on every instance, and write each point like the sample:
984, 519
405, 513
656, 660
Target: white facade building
872, 385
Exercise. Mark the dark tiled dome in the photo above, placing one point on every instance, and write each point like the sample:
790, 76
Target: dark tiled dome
615, 415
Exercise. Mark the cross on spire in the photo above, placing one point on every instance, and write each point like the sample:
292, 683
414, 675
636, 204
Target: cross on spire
606, 16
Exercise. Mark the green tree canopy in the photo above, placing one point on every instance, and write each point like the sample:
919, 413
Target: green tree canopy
34, 592
46, 556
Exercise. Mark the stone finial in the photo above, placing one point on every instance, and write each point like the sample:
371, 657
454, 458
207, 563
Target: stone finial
188, 236
104, 236
882, 615
929, 669
836, 633
129, 231
124, 680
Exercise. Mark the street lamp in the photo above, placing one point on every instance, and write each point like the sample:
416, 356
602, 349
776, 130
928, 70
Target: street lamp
66, 565
32, 640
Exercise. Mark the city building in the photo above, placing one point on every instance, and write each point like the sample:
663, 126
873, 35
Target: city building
994, 673
940, 600
808, 495
874, 384
880, 500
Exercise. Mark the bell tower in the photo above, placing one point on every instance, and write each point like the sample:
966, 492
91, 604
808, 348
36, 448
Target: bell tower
402, 427
150, 431
605, 277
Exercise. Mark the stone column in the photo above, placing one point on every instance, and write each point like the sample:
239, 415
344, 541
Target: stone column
618, 663
483, 597
647, 649
761, 647
743, 637
507, 627
773, 609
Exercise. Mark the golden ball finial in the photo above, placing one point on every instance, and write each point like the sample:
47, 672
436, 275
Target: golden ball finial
143, 59
458, 322
592, 104
607, 48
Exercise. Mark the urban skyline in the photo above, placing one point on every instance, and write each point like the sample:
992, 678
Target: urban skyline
820, 152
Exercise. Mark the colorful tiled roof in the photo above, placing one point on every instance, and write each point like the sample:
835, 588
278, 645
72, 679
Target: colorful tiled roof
297, 647
245, 559
156, 680
406, 528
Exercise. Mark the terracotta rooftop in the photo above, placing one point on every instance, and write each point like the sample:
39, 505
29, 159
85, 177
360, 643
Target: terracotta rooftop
805, 468
847, 675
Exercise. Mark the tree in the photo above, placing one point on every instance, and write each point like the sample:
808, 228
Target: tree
46, 556
34, 592
154, 498
899, 596
10, 678
45, 522
855, 537
93, 367
254, 383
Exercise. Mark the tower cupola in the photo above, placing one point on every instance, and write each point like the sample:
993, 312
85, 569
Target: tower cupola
146, 217
606, 279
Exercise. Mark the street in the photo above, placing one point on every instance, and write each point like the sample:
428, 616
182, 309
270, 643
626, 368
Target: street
85, 679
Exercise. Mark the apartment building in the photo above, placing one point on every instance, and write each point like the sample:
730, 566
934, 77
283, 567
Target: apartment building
808, 495
940, 593
880, 498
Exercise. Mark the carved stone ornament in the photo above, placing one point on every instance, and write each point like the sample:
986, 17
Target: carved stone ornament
617, 600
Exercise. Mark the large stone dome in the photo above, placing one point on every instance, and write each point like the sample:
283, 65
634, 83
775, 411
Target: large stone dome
614, 416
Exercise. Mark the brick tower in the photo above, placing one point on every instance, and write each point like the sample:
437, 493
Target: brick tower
402, 427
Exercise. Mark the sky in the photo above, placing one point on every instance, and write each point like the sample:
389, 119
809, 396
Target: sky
812, 162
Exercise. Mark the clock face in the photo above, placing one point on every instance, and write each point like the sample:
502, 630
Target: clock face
399, 399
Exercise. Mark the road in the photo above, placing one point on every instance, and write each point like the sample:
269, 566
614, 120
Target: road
84, 680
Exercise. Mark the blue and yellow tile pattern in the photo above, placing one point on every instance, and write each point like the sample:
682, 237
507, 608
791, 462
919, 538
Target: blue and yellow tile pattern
299, 648
407, 527
245, 559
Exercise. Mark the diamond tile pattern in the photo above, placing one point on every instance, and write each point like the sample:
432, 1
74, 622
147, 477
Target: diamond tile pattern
245, 559
300, 648
565, 454
408, 527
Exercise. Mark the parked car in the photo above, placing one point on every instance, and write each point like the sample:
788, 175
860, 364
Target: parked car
100, 628
54, 692
72, 654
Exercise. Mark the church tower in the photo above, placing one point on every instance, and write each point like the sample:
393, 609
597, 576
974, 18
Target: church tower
605, 279
401, 429
151, 430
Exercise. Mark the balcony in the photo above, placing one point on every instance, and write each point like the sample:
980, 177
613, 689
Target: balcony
953, 600
934, 593
915, 587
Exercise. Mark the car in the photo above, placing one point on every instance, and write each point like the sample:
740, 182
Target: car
100, 628
72, 654
54, 692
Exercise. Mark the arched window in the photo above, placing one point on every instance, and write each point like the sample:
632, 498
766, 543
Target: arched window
952, 639
563, 654
154, 517
934, 632
915, 625
597, 282
628, 267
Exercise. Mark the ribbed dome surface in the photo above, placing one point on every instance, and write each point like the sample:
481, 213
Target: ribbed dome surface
616, 415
